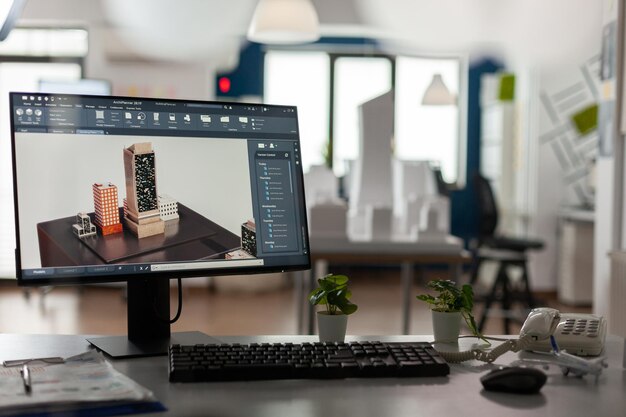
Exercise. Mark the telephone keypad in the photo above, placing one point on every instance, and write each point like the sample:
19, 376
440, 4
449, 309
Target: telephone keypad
581, 326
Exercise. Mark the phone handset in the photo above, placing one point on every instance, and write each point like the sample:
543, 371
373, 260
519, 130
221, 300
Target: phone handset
540, 323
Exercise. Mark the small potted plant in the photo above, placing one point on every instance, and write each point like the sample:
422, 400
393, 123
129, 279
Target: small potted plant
448, 306
332, 292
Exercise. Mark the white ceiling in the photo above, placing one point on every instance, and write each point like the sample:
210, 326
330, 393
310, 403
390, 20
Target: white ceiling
198, 30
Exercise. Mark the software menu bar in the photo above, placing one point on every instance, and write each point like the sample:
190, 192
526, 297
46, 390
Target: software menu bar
61, 114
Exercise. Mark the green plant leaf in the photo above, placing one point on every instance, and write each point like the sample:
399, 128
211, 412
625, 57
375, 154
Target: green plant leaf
427, 298
449, 297
468, 297
349, 308
337, 279
333, 292
317, 296
326, 285
346, 307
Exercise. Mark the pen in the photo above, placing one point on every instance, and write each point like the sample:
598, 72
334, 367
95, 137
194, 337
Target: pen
20, 362
26, 379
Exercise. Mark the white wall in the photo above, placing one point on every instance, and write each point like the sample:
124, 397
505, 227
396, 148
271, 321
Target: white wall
109, 58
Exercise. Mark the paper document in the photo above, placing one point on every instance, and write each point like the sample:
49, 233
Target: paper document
83, 381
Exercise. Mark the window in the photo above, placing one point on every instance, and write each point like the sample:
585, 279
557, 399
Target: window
357, 80
26, 57
301, 79
432, 133
422, 132
45, 42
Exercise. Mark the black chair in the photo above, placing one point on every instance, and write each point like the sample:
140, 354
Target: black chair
508, 252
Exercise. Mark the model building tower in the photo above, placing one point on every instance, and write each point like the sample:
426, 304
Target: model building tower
83, 227
168, 208
106, 208
248, 237
142, 205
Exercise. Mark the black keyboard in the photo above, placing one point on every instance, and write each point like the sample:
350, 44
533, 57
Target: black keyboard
242, 362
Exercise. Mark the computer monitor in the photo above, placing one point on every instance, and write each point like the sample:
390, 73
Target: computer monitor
143, 190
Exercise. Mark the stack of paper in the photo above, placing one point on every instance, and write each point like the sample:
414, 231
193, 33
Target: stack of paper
85, 384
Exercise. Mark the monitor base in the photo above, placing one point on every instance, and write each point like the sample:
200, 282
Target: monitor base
121, 347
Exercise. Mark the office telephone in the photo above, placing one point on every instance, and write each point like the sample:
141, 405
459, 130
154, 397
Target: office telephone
573, 333
578, 334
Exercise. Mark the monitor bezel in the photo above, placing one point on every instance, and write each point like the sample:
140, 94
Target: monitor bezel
206, 272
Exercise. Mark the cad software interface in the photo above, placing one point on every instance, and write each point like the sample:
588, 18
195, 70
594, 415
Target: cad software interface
111, 186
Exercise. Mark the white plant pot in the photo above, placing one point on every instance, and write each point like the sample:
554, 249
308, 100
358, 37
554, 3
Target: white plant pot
331, 327
446, 326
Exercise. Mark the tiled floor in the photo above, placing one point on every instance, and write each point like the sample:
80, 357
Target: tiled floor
102, 310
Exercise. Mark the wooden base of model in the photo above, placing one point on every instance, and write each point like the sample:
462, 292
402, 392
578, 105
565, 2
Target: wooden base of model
110, 229
155, 226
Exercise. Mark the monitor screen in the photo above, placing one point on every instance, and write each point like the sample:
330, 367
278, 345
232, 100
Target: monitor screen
135, 189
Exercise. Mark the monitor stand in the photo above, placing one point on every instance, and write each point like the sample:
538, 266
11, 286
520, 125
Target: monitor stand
148, 323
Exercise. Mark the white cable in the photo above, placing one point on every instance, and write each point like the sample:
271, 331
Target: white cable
487, 356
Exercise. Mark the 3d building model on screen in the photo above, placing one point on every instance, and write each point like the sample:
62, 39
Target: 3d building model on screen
248, 237
168, 208
238, 254
106, 209
83, 226
142, 215
112, 235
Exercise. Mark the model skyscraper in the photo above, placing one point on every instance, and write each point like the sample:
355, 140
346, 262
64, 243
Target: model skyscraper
142, 207
248, 237
168, 207
83, 227
106, 208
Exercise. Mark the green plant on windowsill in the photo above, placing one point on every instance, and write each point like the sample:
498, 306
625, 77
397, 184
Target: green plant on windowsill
451, 299
333, 292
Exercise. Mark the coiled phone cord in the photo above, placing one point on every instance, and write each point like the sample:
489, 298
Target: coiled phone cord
489, 356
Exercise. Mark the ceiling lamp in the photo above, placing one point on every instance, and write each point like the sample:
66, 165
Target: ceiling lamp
437, 94
10, 11
283, 22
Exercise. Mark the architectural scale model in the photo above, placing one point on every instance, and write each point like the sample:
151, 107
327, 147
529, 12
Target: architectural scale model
238, 254
83, 226
106, 208
168, 208
142, 206
248, 237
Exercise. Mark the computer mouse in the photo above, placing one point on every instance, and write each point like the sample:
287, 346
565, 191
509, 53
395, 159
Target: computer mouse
514, 379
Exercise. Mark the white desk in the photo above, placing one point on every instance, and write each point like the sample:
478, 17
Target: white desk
407, 255
459, 394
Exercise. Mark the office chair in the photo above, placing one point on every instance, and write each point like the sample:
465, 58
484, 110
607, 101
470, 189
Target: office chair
508, 252
443, 188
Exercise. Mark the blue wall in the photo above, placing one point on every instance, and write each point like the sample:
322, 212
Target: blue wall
463, 203
247, 78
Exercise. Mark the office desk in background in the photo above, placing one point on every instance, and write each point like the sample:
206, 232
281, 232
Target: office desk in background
458, 394
408, 255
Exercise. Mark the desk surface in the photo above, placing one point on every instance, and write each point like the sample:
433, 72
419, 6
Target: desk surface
459, 394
